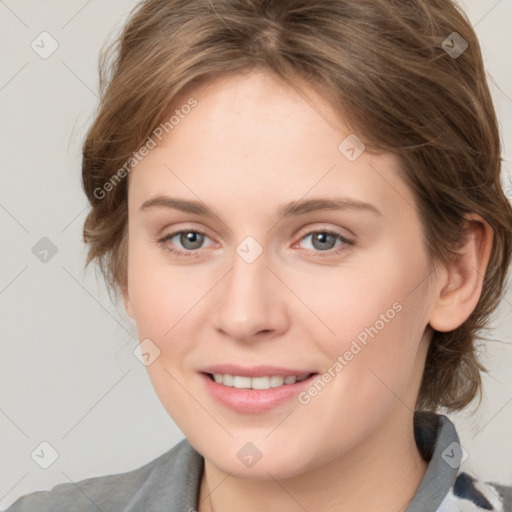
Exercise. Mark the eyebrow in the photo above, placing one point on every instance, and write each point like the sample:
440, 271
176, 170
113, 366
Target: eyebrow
292, 208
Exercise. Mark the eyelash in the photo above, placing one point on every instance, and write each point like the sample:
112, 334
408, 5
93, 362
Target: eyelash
315, 253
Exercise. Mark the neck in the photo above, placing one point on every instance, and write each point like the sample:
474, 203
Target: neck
383, 473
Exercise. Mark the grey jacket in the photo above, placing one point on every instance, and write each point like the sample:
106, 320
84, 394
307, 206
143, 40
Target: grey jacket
171, 482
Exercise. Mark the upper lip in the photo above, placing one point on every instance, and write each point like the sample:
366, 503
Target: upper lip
254, 371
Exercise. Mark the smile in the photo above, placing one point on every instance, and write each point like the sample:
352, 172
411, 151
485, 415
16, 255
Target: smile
255, 394
263, 382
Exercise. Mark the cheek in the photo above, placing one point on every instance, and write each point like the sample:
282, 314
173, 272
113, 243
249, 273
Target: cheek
161, 297
359, 297
379, 314
160, 294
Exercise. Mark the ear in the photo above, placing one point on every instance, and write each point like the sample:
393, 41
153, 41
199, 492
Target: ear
127, 302
462, 280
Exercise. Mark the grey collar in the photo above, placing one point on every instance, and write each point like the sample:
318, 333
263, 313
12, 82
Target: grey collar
438, 443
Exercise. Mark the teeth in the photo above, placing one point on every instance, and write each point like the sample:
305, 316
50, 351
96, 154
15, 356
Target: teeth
240, 382
276, 381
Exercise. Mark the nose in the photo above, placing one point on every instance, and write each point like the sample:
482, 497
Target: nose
251, 302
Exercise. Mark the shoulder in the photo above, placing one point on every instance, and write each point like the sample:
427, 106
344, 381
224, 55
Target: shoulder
469, 493
160, 480
451, 482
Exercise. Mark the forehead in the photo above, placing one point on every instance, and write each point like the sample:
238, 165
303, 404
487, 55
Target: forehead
254, 136
253, 108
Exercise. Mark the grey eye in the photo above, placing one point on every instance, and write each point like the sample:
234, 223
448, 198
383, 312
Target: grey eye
323, 240
191, 239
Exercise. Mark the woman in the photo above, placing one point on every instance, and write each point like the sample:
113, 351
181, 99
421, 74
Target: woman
300, 205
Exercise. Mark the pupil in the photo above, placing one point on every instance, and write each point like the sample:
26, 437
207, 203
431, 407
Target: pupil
193, 238
321, 237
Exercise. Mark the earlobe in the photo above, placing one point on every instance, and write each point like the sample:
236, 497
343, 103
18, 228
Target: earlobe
463, 279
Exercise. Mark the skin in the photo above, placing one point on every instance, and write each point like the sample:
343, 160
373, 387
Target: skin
251, 144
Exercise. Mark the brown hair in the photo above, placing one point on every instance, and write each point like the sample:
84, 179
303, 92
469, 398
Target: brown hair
384, 64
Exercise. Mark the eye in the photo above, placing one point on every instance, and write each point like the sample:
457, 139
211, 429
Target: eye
323, 241
191, 240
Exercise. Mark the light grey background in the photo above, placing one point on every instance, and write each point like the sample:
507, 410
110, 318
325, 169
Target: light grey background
67, 372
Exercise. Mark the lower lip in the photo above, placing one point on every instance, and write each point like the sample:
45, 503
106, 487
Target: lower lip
254, 401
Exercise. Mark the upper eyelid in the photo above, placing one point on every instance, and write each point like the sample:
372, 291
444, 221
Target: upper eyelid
312, 226
172, 234
337, 231
317, 227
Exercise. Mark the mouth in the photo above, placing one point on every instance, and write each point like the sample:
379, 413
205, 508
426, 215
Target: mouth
255, 394
259, 383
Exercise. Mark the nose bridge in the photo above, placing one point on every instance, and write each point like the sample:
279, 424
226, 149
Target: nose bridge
247, 304
247, 279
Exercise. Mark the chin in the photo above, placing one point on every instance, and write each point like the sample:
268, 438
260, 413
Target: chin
268, 461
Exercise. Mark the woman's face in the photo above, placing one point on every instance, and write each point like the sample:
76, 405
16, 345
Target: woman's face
259, 287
